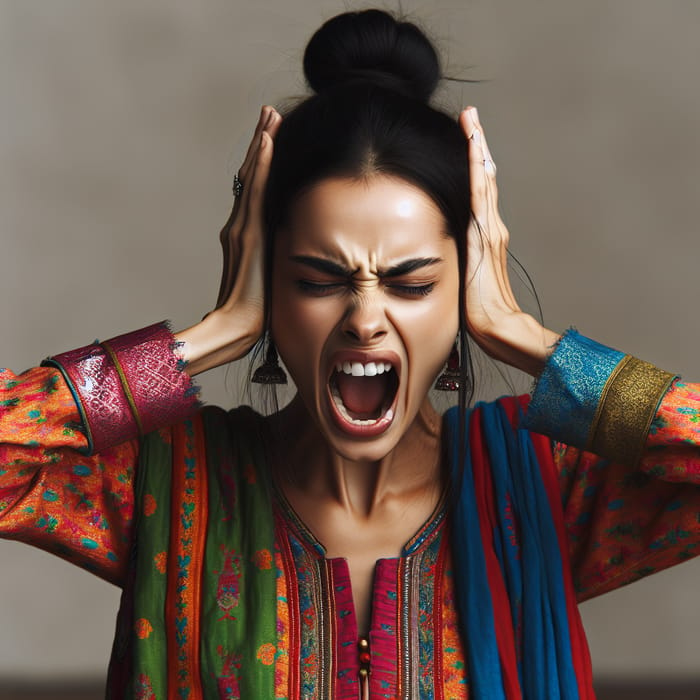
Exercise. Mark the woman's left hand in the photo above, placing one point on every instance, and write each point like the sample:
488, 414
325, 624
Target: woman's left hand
494, 318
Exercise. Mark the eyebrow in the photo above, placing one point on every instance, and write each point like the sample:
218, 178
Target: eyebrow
331, 267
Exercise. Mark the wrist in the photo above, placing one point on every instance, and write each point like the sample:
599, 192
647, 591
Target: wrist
222, 336
517, 339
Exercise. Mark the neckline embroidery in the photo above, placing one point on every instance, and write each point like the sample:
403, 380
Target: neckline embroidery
417, 542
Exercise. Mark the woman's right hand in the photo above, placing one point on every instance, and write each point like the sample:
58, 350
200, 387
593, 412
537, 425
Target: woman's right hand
232, 328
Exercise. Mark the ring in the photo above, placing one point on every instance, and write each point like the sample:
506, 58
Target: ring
237, 186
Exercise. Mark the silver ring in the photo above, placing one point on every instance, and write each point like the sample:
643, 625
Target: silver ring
237, 186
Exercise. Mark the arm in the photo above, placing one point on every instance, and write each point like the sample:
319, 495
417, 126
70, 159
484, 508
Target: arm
628, 461
628, 440
494, 318
231, 330
68, 432
52, 495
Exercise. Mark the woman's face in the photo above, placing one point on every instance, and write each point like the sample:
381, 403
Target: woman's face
364, 307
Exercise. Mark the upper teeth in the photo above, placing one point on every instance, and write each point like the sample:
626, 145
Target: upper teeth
357, 369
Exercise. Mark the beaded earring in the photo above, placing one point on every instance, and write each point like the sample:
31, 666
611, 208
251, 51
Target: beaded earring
270, 371
450, 377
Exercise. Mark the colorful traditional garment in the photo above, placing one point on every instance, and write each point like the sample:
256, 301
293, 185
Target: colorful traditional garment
228, 595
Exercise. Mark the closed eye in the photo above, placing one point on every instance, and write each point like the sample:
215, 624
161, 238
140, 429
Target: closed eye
320, 289
412, 289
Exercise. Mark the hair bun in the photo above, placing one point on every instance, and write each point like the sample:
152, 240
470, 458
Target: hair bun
372, 47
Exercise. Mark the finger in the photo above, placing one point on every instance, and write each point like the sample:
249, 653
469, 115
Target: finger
271, 126
483, 178
230, 235
256, 189
248, 279
497, 232
477, 178
265, 114
487, 236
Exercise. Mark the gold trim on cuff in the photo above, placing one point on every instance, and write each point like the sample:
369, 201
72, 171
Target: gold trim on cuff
628, 404
125, 384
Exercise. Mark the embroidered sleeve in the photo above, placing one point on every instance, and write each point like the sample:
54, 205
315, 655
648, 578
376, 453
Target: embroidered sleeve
127, 386
596, 398
628, 454
51, 495
69, 444
625, 522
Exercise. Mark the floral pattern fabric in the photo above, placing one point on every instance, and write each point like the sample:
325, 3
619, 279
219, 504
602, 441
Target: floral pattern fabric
622, 523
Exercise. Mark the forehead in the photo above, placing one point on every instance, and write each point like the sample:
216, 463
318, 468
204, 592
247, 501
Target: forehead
384, 216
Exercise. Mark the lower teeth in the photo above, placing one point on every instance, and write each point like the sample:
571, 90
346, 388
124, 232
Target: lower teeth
337, 399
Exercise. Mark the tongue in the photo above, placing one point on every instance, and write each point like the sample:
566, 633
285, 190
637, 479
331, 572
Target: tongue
362, 395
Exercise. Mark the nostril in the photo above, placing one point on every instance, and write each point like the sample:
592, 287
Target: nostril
361, 337
364, 325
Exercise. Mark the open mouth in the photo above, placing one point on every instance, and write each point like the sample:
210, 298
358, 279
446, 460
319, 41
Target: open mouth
363, 395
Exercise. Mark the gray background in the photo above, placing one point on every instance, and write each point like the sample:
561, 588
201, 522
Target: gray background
122, 124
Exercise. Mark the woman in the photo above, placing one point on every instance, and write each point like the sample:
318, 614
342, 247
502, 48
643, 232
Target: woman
355, 543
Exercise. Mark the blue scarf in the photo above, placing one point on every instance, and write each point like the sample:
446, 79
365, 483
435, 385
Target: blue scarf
521, 531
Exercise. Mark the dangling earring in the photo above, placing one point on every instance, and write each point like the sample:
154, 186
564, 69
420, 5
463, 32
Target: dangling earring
450, 377
270, 371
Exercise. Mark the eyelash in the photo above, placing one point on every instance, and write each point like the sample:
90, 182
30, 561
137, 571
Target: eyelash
321, 289
413, 289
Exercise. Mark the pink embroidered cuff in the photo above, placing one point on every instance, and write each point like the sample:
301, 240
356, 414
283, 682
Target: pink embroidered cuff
128, 386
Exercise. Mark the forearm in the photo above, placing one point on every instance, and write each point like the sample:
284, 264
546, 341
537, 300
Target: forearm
517, 339
627, 460
220, 337
52, 495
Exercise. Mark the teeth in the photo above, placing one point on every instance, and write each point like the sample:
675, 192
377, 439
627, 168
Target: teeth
357, 369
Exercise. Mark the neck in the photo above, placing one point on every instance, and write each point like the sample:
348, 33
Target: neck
304, 460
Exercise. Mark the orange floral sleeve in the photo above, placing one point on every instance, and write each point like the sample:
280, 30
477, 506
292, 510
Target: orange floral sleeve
51, 494
628, 522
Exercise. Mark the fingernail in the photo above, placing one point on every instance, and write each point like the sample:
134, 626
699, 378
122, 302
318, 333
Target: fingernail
475, 113
270, 117
476, 136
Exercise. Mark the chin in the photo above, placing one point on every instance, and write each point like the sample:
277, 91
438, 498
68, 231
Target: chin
362, 450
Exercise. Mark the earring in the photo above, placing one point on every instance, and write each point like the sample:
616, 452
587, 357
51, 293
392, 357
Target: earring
451, 375
270, 371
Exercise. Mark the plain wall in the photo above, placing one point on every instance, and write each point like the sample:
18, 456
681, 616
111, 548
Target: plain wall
123, 123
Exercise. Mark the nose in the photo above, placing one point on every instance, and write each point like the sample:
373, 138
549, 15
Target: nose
365, 321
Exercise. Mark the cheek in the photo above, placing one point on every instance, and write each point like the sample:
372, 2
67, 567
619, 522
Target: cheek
428, 332
429, 337
300, 330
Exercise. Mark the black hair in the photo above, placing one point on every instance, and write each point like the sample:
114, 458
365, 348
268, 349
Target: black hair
373, 76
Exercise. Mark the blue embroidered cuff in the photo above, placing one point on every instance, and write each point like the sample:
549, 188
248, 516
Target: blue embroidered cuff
597, 399
570, 389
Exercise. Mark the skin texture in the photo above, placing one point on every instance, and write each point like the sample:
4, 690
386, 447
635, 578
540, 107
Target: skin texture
381, 488
366, 227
